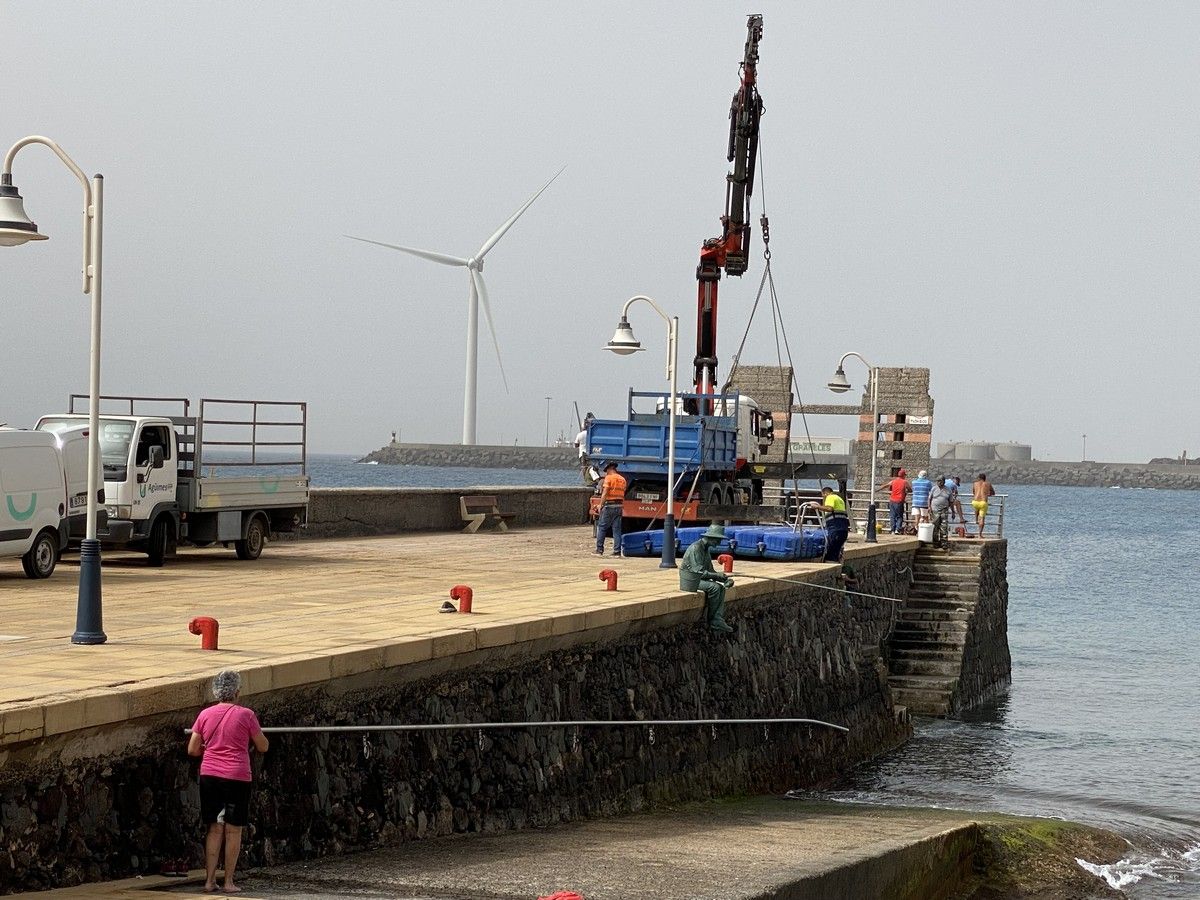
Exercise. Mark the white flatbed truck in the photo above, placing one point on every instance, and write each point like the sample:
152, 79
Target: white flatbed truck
168, 481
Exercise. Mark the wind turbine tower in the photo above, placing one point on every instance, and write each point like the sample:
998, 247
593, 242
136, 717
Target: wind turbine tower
478, 295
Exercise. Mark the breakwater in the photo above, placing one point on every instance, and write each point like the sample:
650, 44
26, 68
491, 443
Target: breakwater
1076, 474
481, 456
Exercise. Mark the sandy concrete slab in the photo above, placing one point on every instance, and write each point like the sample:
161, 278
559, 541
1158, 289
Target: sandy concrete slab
732, 850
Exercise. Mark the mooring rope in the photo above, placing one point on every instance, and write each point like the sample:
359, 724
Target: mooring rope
823, 587
580, 723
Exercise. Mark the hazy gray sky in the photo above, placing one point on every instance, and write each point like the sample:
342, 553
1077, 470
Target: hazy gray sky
1006, 193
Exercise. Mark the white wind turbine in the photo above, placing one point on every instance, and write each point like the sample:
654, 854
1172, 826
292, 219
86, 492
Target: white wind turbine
474, 267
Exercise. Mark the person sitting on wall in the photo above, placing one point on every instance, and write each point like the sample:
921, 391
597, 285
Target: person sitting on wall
837, 524
696, 573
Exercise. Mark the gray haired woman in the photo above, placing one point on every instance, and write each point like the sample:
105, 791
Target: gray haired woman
222, 737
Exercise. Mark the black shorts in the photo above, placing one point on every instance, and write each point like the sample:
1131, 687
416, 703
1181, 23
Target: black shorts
224, 800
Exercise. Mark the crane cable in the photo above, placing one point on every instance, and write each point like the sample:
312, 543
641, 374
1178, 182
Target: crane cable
768, 279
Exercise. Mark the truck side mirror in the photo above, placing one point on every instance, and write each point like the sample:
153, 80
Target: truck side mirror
156, 457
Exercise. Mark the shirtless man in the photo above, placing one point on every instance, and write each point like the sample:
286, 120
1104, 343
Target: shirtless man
982, 491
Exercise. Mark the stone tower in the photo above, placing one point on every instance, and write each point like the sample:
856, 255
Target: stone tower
905, 427
771, 388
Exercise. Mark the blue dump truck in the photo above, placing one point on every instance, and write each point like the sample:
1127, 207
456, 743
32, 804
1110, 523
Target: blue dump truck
719, 454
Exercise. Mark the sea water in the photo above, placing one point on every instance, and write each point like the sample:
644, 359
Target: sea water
1102, 722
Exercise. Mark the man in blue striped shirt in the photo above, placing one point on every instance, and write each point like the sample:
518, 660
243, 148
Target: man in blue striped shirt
920, 497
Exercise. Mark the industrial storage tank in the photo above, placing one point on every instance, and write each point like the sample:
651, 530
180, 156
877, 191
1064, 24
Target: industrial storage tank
1014, 452
978, 450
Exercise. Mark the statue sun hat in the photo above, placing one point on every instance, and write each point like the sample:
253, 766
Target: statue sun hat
715, 531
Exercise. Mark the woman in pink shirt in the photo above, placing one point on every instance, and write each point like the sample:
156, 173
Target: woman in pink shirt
222, 737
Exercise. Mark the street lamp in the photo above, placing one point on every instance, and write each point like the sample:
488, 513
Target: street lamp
624, 343
548, 399
16, 229
1084, 457
839, 385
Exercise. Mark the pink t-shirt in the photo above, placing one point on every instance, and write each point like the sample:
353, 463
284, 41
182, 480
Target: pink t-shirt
226, 730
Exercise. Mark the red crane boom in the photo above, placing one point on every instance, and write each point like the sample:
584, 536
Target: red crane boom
730, 251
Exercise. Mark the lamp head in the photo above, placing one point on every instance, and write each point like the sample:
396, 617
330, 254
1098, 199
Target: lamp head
838, 383
623, 342
15, 226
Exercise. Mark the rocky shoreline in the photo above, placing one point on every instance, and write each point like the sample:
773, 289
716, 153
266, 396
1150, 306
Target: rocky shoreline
476, 457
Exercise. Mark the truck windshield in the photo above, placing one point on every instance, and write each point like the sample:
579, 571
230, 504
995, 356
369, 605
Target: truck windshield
115, 438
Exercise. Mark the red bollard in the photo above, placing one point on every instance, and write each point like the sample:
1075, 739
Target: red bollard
610, 576
206, 627
726, 560
462, 594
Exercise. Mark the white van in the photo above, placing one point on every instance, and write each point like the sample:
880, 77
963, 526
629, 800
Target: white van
73, 446
33, 500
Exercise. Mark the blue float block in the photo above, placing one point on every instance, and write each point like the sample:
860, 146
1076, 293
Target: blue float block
746, 541
642, 543
790, 545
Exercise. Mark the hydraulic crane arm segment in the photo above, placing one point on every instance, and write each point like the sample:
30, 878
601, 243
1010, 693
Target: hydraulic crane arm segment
730, 251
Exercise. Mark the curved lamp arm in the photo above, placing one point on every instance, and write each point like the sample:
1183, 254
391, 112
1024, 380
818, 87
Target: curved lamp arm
89, 210
672, 330
858, 356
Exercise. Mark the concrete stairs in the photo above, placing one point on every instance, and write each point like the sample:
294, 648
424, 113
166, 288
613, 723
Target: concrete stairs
925, 649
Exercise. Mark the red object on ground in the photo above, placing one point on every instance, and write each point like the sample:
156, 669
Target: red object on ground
563, 895
726, 561
462, 594
961, 531
206, 627
610, 576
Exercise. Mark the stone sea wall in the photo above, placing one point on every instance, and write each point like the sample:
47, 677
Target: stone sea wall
350, 512
986, 662
117, 800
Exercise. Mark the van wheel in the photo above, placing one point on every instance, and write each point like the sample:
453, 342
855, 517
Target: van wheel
256, 536
156, 547
42, 557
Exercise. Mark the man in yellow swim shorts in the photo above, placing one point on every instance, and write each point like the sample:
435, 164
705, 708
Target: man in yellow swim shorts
982, 491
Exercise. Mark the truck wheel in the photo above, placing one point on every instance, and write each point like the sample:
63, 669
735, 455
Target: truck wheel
156, 547
42, 557
713, 494
256, 536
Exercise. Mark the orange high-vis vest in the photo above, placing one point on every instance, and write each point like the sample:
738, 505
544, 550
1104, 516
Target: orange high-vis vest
614, 487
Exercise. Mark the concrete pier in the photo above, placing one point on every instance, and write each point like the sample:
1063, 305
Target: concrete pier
94, 783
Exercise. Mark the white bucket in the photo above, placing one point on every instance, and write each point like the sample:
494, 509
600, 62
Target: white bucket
925, 532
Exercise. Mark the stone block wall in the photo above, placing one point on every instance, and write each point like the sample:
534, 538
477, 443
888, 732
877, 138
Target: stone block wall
771, 389
115, 801
986, 663
349, 512
905, 426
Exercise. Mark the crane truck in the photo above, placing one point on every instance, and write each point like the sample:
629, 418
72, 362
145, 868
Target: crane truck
722, 438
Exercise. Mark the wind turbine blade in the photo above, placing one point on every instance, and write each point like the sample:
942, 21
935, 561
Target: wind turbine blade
477, 281
491, 242
424, 254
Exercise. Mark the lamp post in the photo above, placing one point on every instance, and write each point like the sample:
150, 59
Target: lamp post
548, 399
624, 343
16, 229
839, 385
1084, 458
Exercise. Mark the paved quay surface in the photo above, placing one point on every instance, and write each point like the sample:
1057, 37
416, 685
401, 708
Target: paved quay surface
723, 851
309, 611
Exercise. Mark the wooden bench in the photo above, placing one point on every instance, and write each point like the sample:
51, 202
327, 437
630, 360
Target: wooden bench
480, 509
